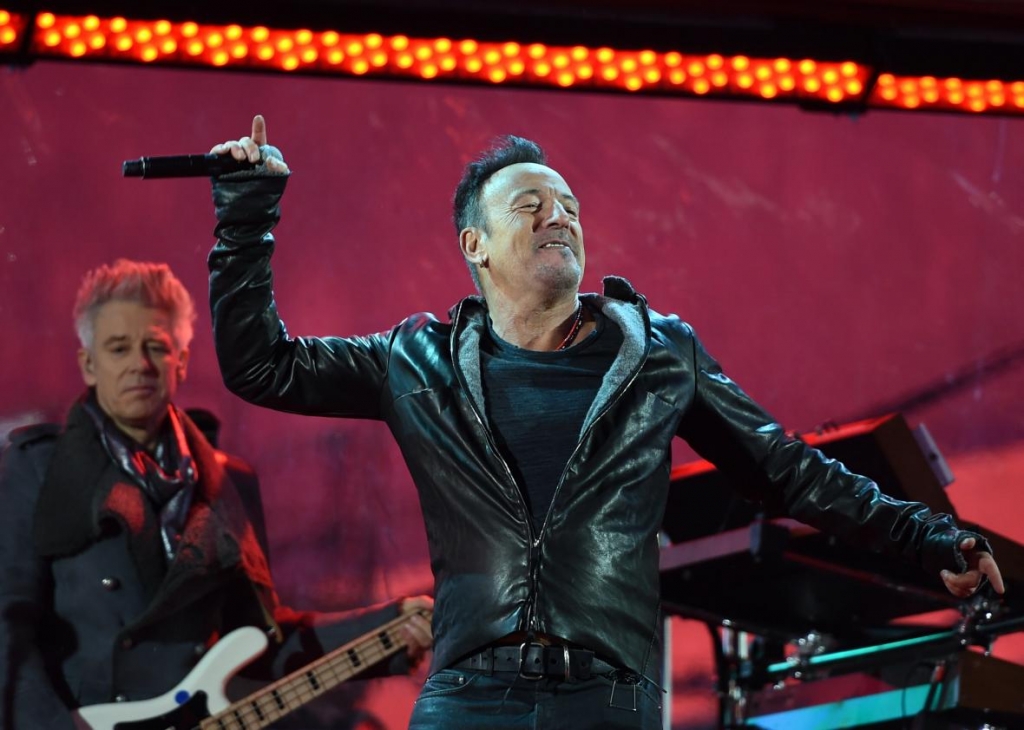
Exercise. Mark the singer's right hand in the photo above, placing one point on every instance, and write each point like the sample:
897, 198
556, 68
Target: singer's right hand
248, 148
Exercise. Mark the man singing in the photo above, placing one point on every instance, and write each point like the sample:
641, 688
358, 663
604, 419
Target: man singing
537, 425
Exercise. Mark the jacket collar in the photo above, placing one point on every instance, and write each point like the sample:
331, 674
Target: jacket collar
620, 304
84, 489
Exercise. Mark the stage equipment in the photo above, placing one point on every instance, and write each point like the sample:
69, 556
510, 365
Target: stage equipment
814, 633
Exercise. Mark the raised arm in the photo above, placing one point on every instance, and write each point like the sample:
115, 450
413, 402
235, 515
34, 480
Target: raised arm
329, 376
729, 429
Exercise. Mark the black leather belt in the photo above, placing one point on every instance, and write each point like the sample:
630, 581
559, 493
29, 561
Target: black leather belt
536, 661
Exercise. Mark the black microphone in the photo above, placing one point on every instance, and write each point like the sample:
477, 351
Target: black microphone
184, 166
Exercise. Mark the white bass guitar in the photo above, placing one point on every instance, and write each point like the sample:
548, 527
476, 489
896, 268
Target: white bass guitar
199, 702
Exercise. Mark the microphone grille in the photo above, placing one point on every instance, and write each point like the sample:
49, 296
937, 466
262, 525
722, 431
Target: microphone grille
132, 168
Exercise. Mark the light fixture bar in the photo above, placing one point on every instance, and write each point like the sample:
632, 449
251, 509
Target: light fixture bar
948, 94
12, 31
826, 84
466, 60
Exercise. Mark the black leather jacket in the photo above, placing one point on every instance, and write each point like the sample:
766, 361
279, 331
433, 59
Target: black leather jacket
590, 573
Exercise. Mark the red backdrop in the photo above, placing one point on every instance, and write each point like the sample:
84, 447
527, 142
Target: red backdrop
834, 264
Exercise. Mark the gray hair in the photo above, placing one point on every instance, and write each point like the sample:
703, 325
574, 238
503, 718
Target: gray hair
150, 284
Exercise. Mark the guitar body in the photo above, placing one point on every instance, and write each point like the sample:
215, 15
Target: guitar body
198, 696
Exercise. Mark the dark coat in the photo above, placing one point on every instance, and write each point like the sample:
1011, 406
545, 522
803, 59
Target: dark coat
89, 610
589, 573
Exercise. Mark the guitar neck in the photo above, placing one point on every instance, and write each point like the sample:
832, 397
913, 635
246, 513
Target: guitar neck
276, 700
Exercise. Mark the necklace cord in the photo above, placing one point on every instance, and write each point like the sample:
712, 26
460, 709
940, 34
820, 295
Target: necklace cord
575, 330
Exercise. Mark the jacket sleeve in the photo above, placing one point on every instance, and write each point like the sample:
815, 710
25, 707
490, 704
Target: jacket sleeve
28, 698
259, 362
726, 427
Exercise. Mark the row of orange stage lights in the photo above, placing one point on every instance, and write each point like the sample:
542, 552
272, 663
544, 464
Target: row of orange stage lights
534, 64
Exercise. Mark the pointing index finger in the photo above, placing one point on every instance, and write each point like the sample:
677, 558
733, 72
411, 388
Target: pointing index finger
990, 568
259, 130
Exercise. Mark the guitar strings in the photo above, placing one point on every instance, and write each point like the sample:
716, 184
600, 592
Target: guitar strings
294, 689
333, 667
298, 688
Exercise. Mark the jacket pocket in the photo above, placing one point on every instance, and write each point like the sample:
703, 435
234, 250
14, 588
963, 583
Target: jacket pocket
447, 682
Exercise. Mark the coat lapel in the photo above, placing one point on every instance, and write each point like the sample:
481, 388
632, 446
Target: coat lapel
218, 538
84, 488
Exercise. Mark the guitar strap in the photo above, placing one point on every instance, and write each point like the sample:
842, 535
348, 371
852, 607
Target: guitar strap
266, 598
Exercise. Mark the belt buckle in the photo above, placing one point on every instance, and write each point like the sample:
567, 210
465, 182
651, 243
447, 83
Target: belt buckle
523, 649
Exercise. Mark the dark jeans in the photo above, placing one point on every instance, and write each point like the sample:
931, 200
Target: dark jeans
461, 699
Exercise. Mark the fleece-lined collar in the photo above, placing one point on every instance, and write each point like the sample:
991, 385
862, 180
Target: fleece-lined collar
620, 304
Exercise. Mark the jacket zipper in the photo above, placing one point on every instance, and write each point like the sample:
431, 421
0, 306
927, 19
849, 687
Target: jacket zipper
583, 438
533, 540
533, 557
558, 487
611, 403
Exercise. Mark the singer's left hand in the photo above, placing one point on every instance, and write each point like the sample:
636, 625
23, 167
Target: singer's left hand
248, 148
980, 564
